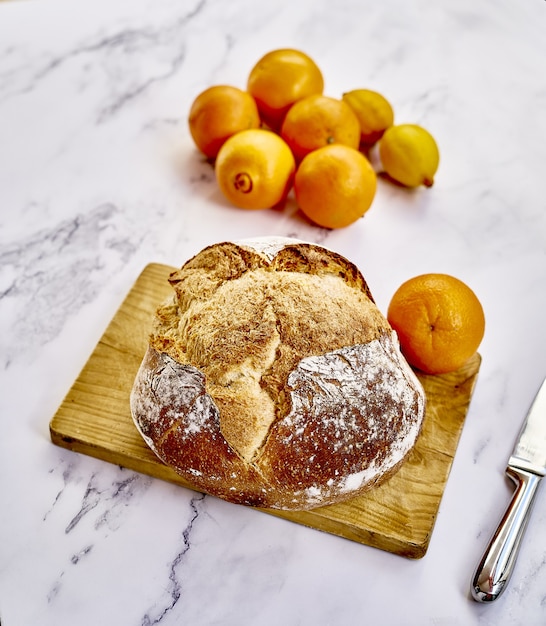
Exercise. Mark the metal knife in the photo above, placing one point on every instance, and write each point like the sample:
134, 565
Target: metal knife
526, 467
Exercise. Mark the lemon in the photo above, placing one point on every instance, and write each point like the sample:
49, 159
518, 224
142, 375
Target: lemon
374, 113
255, 169
409, 154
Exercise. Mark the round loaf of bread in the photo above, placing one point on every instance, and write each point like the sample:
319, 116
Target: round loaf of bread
272, 379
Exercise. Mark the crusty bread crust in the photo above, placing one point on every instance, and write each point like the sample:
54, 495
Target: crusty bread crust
273, 380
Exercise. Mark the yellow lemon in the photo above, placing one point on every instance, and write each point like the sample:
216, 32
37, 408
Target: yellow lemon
255, 169
374, 113
409, 154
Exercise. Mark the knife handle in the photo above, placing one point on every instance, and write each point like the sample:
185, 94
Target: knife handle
499, 558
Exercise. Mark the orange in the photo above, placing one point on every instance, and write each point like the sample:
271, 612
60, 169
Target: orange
318, 121
279, 79
439, 321
255, 169
218, 113
335, 185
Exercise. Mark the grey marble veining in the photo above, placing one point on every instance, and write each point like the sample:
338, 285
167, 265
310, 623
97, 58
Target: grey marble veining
99, 177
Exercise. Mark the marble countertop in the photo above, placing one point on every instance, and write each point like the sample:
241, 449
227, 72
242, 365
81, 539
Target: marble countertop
99, 177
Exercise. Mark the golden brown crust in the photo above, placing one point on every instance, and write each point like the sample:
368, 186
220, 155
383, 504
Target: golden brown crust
274, 380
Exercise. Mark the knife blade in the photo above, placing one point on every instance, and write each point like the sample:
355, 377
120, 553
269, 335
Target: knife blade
526, 467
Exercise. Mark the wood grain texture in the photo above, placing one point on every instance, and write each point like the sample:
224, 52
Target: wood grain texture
399, 516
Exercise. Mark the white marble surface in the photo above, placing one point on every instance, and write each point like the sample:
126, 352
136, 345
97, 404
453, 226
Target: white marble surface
98, 177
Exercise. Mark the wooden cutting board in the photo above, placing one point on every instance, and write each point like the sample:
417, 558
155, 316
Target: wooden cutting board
95, 419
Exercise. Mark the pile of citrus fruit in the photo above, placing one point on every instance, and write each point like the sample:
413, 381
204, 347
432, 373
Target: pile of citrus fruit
283, 133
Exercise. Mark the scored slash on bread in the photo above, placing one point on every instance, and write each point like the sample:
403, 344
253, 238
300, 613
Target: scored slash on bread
272, 379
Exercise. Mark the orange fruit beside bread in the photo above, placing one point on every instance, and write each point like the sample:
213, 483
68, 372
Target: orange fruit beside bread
318, 121
280, 78
439, 321
255, 169
335, 185
218, 113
